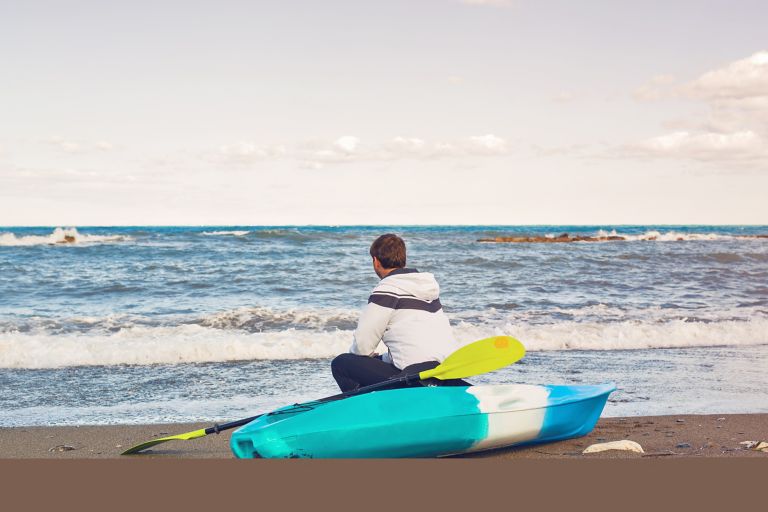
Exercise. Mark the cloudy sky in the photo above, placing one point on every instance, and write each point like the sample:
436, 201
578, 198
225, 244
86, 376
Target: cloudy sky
383, 112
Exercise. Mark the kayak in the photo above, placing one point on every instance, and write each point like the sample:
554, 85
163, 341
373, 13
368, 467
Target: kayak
424, 422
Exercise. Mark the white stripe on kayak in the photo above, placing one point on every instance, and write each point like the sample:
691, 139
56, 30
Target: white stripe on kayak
515, 413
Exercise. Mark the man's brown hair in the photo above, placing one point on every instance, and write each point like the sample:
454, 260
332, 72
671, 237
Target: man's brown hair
390, 251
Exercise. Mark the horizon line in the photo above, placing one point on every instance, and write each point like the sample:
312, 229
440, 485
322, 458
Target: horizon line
64, 226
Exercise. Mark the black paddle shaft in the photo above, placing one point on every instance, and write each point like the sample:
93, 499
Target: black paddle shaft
405, 379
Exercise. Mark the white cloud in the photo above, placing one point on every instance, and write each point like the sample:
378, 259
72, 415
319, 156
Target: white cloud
317, 153
488, 3
659, 87
74, 146
351, 149
564, 97
347, 144
744, 146
35, 179
407, 146
571, 150
487, 144
314, 154
735, 130
65, 145
248, 152
741, 83
742, 79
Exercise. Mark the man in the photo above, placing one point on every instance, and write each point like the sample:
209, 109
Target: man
403, 312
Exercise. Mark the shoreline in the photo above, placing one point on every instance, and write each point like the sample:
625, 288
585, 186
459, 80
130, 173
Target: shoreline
672, 436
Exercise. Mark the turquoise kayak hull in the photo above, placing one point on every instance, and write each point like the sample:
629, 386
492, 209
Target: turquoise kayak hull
424, 422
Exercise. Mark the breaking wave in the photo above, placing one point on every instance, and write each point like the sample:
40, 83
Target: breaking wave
673, 236
225, 233
59, 236
193, 343
258, 319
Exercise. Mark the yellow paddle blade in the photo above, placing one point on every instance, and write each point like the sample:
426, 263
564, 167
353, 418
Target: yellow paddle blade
476, 358
180, 437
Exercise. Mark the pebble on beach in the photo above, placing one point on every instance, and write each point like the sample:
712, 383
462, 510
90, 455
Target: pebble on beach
62, 448
624, 444
758, 446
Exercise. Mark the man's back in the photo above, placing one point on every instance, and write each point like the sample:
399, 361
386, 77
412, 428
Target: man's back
407, 303
404, 314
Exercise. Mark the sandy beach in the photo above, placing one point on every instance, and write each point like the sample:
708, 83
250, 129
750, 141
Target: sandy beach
660, 436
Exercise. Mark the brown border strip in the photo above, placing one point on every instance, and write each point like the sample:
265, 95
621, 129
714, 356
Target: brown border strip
368, 485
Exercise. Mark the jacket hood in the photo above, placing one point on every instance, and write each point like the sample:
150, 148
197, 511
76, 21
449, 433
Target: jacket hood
422, 285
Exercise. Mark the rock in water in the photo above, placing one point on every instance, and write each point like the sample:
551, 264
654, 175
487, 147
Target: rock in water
624, 444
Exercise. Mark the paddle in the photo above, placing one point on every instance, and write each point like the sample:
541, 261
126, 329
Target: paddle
474, 359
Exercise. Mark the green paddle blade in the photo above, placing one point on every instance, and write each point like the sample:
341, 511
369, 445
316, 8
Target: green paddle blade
476, 358
181, 437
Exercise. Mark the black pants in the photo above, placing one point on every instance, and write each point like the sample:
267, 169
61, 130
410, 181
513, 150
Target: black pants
352, 371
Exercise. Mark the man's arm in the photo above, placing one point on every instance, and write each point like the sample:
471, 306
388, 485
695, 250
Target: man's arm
373, 322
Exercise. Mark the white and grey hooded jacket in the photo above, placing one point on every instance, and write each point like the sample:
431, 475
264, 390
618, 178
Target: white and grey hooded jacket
404, 312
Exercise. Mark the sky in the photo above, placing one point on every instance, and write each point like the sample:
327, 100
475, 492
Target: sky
383, 112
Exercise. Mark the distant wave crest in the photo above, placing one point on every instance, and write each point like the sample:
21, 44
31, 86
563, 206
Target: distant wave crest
247, 319
225, 233
671, 236
257, 319
59, 236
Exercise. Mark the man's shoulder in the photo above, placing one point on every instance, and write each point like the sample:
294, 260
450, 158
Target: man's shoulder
384, 288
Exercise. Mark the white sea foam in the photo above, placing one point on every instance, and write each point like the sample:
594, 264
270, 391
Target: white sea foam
142, 345
266, 318
59, 236
671, 236
624, 335
166, 345
169, 410
225, 233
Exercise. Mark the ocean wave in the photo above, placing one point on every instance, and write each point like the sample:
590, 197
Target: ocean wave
261, 319
77, 324
248, 319
224, 233
166, 345
258, 319
59, 236
614, 236
672, 236
509, 314
624, 335
289, 234
146, 345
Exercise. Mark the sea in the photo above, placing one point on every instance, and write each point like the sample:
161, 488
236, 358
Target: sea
130, 325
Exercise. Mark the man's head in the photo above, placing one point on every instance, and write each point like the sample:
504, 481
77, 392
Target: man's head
388, 253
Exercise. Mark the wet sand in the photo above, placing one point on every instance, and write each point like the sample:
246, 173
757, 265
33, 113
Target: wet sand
660, 437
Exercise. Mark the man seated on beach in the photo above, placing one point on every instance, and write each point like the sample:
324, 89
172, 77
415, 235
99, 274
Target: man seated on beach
403, 312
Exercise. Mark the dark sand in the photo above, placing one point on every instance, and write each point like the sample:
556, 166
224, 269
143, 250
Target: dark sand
660, 436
